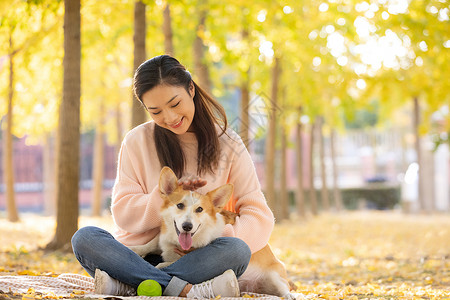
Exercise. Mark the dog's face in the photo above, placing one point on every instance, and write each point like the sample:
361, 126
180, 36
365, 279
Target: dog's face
191, 215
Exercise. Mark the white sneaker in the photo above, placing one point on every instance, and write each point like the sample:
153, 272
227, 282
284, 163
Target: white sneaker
106, 285
225, 285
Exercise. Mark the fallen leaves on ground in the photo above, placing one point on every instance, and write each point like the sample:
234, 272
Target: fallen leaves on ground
367, 255
20, 243
352, 255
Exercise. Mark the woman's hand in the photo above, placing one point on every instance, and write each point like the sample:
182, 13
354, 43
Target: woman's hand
191, 182
182, 252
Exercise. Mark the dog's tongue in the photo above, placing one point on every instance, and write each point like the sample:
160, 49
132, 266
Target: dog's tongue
185, 240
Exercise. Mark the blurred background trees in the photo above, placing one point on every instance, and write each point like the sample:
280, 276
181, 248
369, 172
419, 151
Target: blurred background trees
297, 78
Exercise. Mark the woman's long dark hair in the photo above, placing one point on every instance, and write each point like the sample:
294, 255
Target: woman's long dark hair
165, 69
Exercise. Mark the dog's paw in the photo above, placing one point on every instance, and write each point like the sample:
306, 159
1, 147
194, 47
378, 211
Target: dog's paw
163, 265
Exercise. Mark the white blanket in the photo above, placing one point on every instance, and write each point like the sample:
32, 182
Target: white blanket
78, 286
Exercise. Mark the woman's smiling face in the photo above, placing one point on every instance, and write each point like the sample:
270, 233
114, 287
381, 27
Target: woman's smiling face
171, 107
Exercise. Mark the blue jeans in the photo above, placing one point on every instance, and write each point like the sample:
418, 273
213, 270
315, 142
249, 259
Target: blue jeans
95, 248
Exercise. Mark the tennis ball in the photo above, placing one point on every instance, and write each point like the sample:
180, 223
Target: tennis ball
150, 288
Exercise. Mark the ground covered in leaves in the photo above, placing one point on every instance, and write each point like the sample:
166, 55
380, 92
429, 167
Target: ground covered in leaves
352, 255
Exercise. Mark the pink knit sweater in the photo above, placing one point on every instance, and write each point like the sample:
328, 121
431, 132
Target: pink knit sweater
136, 201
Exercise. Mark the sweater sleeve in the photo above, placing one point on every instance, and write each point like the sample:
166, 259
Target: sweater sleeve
256, 221
134, 210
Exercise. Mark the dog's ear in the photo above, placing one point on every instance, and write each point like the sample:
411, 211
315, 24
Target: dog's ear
168, 181
221, 195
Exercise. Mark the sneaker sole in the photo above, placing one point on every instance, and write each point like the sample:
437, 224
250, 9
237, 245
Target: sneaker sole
98, 282
234, 284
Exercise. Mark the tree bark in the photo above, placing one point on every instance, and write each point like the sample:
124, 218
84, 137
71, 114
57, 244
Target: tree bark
336, 191
418, 146
245, 100
167, 31
8, 156
323, 170
429, 180
270, 139
300, 192
99, 164
200, 65
138, 113
284, 195
119, 126
69, 132
312, 189
245, 119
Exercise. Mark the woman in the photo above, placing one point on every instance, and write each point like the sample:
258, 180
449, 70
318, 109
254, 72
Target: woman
189, 134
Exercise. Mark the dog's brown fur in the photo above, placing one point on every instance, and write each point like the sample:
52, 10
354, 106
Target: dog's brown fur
263, 258
265, 274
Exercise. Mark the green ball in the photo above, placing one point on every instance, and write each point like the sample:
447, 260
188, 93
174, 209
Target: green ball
150, 288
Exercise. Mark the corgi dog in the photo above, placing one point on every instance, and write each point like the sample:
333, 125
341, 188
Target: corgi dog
191, 220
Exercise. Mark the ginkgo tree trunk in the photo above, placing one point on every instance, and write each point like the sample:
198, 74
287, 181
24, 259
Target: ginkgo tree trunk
283, 199
312, 189
200, 64
138, 114
418, 145
323, 171
167, 31
244, 125
8, 159
300, 190
336, 191
271, 105
69, 132
99, 162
